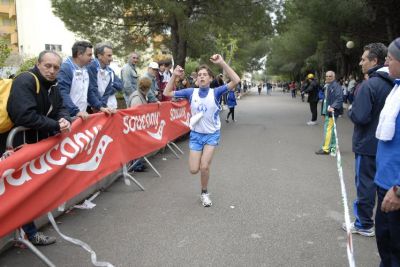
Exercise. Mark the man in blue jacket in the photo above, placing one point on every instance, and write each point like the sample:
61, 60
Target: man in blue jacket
368, 102
387, 177
332, 105
103, 83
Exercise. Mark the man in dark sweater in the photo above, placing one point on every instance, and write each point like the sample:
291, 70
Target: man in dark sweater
312, 90
42, 112
369, 100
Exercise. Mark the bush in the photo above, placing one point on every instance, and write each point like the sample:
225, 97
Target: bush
27, 65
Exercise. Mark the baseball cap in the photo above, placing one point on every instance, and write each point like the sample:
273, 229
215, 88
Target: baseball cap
153, 65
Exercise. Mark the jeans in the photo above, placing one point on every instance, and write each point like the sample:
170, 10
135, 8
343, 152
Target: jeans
29, 229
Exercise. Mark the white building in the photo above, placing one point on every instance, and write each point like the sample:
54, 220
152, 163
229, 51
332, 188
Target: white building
39, 29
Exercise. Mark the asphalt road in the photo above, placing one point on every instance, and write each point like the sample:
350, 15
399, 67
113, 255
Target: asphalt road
275, 203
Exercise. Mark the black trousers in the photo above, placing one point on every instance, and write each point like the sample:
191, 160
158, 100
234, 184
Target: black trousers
231, 111
387, 228
314, 110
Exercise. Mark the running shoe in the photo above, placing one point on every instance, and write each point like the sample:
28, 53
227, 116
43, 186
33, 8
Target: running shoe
205, 199
39, 239
355, 230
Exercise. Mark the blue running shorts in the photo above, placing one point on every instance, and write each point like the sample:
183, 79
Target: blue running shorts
199, 140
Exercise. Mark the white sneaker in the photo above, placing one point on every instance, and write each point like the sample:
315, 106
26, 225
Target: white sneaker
333, 154
364, 232
310, 123
205, 199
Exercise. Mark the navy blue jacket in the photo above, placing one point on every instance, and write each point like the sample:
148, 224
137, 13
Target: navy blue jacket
94, 98
231, 99
367, 105
334, 98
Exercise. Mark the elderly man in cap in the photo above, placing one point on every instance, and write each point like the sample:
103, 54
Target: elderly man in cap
387, 178
151, 74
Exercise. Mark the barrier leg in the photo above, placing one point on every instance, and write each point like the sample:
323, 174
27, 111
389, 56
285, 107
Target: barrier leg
127, 176
18, 239
151, 165
177, 147
172, 150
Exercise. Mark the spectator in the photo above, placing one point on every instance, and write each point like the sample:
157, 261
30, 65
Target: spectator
387, 177
43, 113
231, 105
292, 87
103, 83
368, 102
311, 88
129, 76
351, 88
139, 97
193, 79
205, 122
160, 80
332, 106
151, 73
73, 80
167, 72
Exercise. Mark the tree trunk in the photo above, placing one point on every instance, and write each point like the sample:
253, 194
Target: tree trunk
178, 43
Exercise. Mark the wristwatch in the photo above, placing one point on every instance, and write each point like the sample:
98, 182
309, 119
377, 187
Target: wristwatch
396, 190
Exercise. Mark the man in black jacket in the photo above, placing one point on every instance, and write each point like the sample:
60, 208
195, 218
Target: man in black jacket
312, 90
368, 102
42, 112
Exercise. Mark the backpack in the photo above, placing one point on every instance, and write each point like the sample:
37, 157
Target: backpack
5, 88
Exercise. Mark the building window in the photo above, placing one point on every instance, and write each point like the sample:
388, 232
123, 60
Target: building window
53, 47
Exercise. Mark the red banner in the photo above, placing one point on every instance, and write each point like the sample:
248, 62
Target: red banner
40, 177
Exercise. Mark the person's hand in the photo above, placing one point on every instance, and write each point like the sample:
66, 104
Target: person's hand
216, 59
390, 202
178, 71
108, 110
331, 109
83, 114
65, 126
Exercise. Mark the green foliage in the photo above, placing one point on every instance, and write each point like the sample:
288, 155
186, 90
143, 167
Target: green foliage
190, 66
5, 51
27, 65
194, 29
312, 34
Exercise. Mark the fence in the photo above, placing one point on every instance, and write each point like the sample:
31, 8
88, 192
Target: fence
96, 147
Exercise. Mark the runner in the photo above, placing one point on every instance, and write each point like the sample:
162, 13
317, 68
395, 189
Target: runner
205, 122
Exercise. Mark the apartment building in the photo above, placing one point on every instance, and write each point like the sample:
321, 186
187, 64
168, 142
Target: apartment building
8, 24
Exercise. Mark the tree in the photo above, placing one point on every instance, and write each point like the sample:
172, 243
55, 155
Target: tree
5, 51
188, 27
312, 34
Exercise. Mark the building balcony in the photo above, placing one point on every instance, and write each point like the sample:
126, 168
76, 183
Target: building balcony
7, 29
12, 14
4, 8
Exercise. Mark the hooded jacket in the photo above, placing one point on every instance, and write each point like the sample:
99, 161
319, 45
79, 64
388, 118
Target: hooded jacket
368, 102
